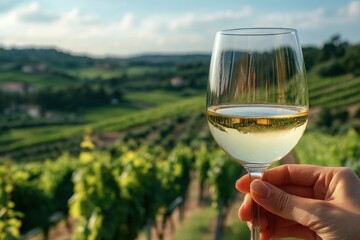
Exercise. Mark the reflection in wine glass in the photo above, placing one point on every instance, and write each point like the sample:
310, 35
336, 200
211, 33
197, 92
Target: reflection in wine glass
257, 98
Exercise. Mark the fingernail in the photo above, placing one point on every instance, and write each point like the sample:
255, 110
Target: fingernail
260, 188
236, 185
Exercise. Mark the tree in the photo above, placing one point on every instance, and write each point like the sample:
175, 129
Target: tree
351, 59
334, 48
310, 56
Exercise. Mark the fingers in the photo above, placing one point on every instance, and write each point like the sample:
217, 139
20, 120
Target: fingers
285, 205
244, 213
305, 192
288, 174
277, 227
243, 184
245, 209
293, 231
292, 178
274, 226
295, 174
287, 193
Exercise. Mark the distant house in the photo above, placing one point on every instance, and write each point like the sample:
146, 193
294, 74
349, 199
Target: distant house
31, 68
16, 87
28, 69
177, 82
12, 87
31, 109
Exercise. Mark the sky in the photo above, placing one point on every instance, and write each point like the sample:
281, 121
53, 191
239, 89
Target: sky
134, 27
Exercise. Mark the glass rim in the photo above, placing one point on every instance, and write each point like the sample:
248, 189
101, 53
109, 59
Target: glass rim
257, 31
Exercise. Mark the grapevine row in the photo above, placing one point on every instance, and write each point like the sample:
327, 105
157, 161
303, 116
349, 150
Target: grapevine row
115, 194
327, 150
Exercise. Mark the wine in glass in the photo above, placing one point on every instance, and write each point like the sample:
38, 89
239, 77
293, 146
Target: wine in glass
257, 98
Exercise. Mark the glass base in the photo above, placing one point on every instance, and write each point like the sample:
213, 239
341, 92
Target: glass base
256, 167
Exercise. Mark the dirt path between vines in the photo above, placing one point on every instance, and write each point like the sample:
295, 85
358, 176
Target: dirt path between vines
190, 208
61, 232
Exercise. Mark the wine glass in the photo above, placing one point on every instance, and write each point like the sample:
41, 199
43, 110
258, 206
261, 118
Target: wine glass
257, 98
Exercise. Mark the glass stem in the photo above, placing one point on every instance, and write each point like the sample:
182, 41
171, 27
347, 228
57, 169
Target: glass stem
255, 228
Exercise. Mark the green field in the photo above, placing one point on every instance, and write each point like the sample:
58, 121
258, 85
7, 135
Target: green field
329, 92
35, 79
91, 73
17, 139
334, 91
106, 112
106, 73
135, 101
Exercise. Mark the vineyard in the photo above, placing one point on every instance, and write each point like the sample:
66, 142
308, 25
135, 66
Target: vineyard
128, 173
334, 92
137, 183
328, 150
116, 193
43, 145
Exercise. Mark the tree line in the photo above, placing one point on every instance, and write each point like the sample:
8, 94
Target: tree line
72, 98
335, 57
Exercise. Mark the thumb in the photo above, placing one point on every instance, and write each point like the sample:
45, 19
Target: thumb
285, 205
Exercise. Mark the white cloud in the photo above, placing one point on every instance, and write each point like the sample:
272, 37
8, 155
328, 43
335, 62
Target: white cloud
74, 17
128, 21
6, 5
183, 21
31, 25
228, 14
132, 33
189, 19
301, 20
349, 13
26, 10
32, 13
312, 20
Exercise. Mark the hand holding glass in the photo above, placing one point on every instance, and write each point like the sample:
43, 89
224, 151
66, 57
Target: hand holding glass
257, 99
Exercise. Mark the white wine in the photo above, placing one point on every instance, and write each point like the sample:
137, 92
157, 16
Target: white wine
257, 133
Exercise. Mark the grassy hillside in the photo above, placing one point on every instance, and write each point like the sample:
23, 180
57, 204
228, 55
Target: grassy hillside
144, 82
334, 92
26, 143
37, 80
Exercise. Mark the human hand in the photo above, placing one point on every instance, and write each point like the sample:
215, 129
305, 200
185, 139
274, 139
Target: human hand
304, 201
